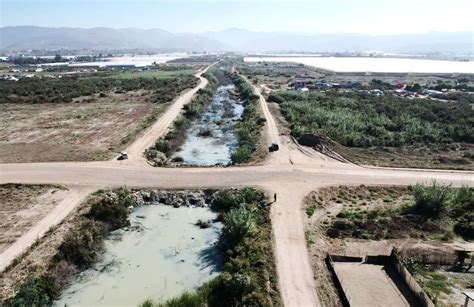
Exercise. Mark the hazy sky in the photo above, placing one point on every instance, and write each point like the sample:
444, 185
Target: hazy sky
308, 16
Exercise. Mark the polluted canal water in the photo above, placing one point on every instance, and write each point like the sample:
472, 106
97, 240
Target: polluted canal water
161, 254
213, 137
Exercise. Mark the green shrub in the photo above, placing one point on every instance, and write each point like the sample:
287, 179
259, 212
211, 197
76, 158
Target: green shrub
362, 120
431, 201
63, 90
250, 124
228, 199
239, 223
80, 247
163, 146
113, 210
36, 292
310, 211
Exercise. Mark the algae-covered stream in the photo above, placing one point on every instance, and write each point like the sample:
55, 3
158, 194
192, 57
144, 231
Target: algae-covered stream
161, 254
213, 138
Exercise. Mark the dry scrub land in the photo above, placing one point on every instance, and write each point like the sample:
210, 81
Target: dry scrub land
82, 118
360, 221
22, 206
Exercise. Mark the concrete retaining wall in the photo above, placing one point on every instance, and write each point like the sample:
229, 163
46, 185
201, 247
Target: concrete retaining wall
337, 282
415, 288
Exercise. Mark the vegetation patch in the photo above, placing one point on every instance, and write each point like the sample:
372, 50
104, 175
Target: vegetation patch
435, 211
434, 283
62, 90
361, 121
164, 147
249, 276
250, 126
78, 251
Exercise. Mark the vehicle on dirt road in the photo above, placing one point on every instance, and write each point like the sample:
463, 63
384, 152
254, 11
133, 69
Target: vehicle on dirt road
273, 147
123, 156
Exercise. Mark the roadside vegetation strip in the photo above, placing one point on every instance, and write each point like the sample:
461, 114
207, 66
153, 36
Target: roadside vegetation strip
360, 120
165, 146
435, 211
434, 283
250, 126
249, 273
61, 90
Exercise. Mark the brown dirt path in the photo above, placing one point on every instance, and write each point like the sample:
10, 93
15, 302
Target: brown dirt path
75, 196
148, 138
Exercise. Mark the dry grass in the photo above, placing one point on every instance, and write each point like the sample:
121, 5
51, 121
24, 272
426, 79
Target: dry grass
36, 260
81, 131
22, 206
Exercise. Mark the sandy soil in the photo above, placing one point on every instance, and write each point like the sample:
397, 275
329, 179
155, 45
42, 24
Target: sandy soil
33, 262
23, 206
69, 201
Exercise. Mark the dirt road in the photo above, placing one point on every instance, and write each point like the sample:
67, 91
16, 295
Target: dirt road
137, 148
75, 196
291, 172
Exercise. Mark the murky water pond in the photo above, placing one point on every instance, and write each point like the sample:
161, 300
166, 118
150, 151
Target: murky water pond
213, 138
161, 255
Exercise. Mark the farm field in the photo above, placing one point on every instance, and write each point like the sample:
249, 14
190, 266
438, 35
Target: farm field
91, 118
382, 65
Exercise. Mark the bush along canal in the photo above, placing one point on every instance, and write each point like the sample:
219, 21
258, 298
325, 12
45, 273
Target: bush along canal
221, 126
148, 246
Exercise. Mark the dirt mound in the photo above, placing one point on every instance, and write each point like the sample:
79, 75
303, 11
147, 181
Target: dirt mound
322, 144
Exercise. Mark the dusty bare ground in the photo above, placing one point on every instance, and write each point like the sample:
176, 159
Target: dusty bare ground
279, 77
81, 131
22, 206
327, 202
35, 261
461, 158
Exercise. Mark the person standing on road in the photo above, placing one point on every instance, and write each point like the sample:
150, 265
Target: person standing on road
275, 197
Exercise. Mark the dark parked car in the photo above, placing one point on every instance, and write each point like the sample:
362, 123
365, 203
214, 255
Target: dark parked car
273, 147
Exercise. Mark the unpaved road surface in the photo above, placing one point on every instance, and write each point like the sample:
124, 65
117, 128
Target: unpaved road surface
54, 217
137, 148
292, 172
23, 206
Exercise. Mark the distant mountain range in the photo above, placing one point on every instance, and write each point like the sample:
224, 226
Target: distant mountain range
43, 38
